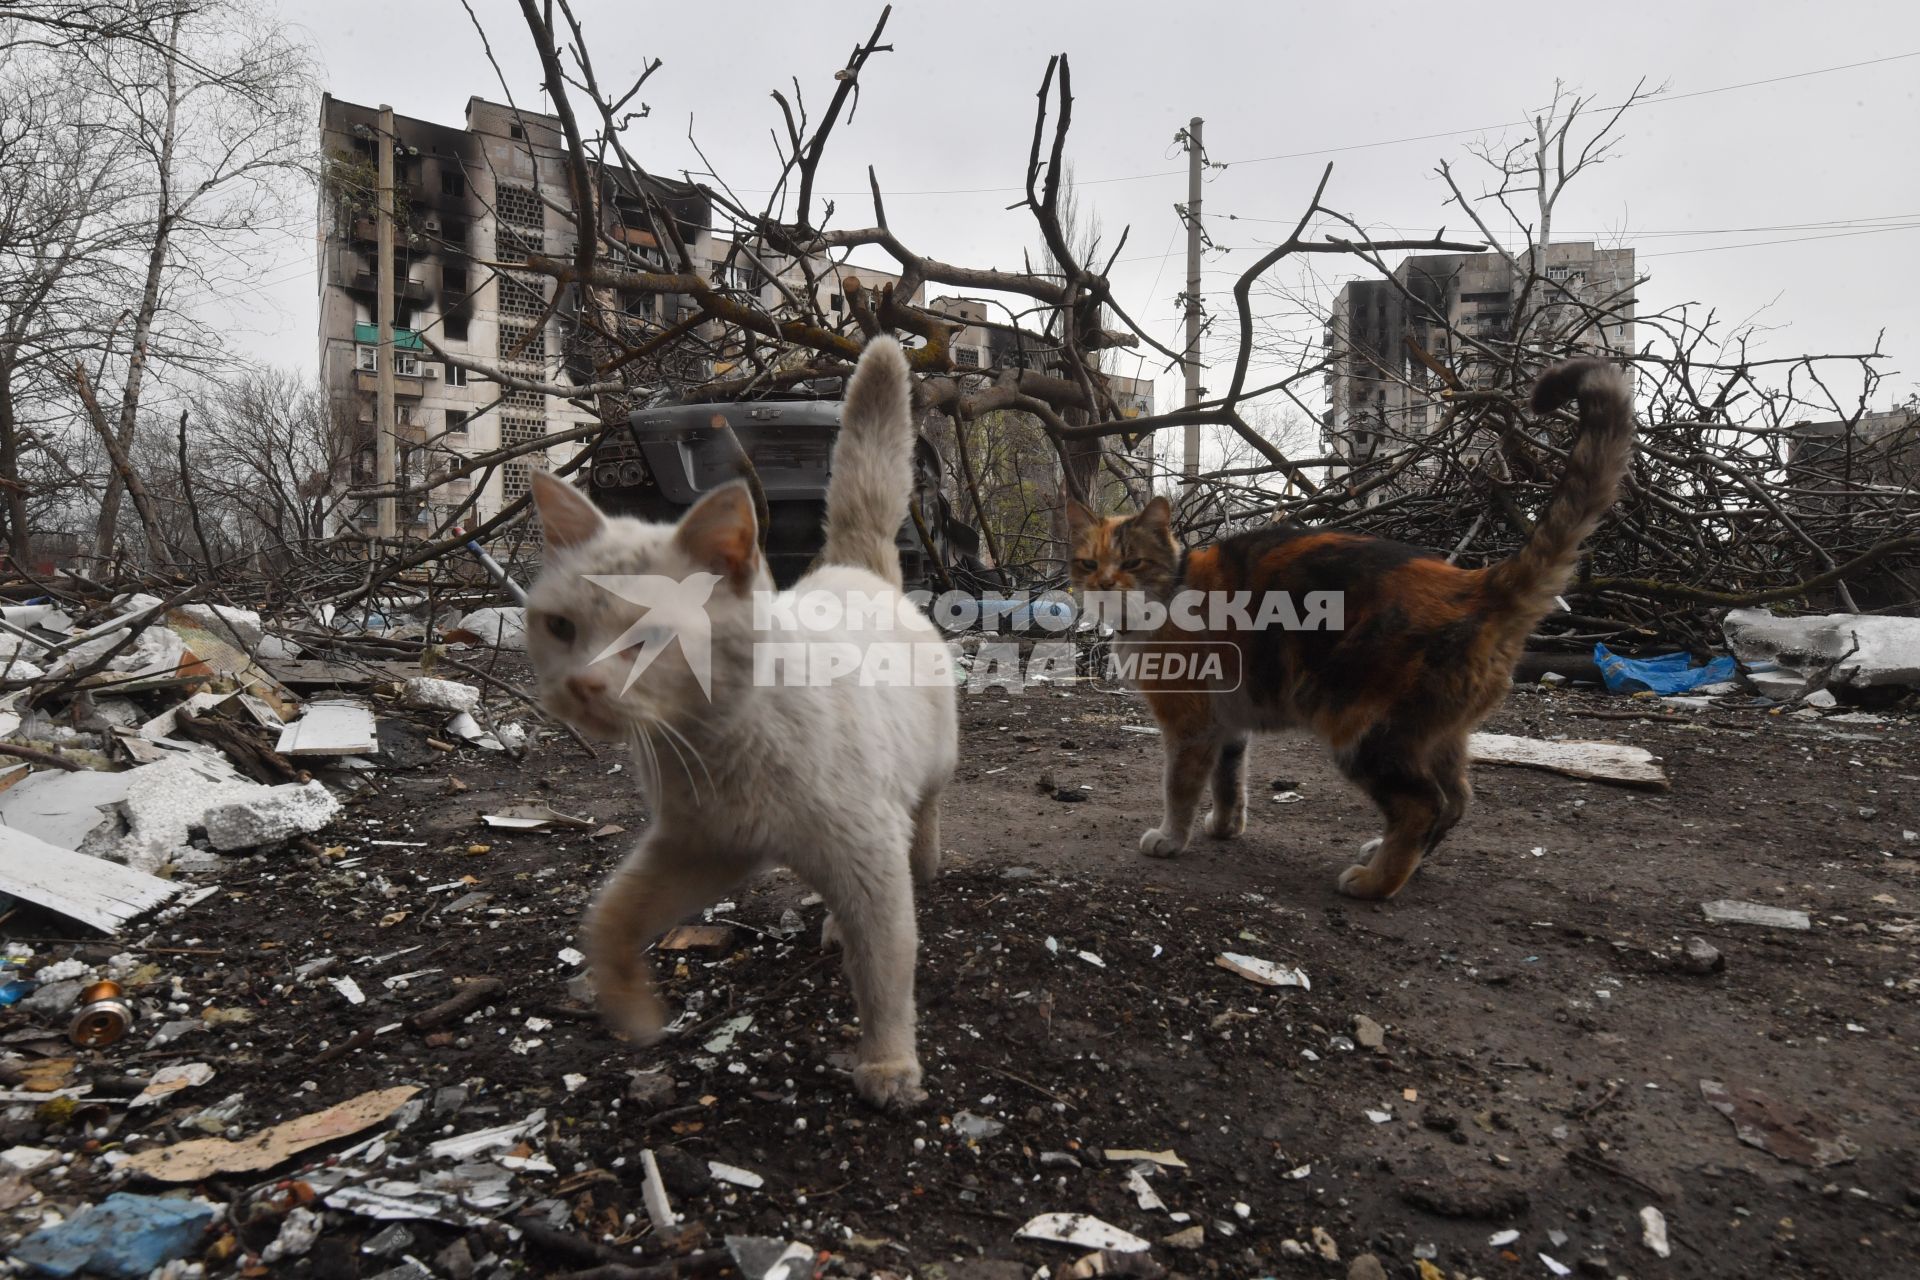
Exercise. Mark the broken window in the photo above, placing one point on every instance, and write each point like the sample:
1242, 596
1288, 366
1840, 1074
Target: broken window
454, 328
363, 359
406, 364
457, 418
453, 279
453, 182
456, 376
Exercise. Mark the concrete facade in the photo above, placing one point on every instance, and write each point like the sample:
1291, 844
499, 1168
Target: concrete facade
1380, 395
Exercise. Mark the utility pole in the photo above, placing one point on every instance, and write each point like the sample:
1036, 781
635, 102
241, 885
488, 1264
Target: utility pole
384, 425
1190, 461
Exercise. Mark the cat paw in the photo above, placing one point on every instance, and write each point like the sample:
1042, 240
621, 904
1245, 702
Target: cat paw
1157, 843
890, 1086
639, 1015
830, 936
1226, 826
1360, 881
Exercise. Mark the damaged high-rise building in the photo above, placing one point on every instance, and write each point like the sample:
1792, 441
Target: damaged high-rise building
491, 191
1459, 309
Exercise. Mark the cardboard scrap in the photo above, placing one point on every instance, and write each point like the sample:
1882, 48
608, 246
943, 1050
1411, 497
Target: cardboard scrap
1782, 1131
203, 1157
697, 937
534, 817
1599, 761
1128, 1155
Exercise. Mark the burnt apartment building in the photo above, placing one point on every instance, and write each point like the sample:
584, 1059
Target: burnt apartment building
1380, 396
487, 191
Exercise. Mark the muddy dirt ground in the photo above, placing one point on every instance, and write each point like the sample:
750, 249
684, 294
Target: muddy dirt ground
1537, 1080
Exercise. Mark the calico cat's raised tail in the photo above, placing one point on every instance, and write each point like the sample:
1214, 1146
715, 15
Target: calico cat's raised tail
1527, 582
1420, 652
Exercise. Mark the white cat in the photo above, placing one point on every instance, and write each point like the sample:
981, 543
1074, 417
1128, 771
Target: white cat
649, 633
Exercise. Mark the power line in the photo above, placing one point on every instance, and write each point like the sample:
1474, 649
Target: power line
1390, 142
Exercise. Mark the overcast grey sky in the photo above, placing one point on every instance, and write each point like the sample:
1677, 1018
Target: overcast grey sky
1795, 202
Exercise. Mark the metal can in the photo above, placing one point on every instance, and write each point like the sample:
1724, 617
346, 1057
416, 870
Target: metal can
103, 1016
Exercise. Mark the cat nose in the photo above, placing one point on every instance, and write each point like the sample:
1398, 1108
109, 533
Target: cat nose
587, 687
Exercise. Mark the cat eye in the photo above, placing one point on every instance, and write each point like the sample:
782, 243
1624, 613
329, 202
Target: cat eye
1086, 566
560, 628
1133, 564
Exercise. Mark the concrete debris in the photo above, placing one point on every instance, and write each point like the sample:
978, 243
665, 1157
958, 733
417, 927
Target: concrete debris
1729, 911
270, 816
1869, 650
1601, 761
770, 1258
1653, 1231
430, 694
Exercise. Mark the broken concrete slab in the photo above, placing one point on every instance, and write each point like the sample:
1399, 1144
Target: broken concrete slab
270, 816
1599, 761
1729, 911
98, 893
430, 694
1870, 650
166, 802
331, 727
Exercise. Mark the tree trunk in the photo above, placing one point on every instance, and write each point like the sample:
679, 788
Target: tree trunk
19, 536
105, 531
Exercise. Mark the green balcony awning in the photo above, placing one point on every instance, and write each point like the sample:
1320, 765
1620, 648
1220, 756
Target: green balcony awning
403, 339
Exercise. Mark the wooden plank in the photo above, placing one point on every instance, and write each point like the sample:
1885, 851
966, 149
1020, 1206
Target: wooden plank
93, 891
1599, 761
309, 674
331, 727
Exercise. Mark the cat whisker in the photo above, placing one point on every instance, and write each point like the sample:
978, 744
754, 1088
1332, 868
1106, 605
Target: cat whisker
684, 741
692, 782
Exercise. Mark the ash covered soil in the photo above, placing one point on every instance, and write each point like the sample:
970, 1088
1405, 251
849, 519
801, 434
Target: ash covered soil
1540, 1050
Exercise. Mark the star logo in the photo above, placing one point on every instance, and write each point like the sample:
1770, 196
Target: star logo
675, 610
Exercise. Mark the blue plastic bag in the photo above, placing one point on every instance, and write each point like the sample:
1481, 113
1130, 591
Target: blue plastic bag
1668, 673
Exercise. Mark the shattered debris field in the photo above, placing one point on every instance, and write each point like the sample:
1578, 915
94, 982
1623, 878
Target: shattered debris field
1493, 1075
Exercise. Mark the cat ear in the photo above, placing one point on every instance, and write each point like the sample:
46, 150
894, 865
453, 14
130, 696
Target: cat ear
1156, 516
1078, 517
567, 518
720, 534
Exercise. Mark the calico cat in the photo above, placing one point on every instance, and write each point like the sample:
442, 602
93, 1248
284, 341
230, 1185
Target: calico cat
1423, 653
838, 780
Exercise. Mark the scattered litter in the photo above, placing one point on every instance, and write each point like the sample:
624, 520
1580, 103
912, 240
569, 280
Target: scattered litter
171, 1080
1600, 761
653, 1193
349, 990
722, 1040
1143, 1193
534, 817
1785, 1132
1728, 911
770, 1258
1379, 1117
500, 1138
1869, 650
1500, 1239
1653, 1231
697, 937
1667, 673
974, 1128
1264, 972
1555, 1265
1288, 797
125, 1236
199, 1158
1091, 959
298, 1231
1127, 1155
1082, 1231
735, 1175
331, 727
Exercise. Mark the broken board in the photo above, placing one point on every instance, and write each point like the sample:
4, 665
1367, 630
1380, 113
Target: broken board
331, 727
1614, 762
93, 891
361, 673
